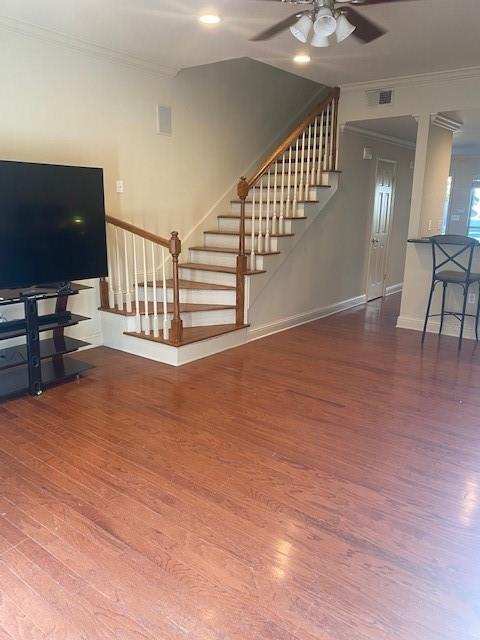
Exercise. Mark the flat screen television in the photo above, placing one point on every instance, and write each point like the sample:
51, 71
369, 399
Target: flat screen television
52, 224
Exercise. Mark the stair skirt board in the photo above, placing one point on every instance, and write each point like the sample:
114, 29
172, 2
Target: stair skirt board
261, 331
115, 338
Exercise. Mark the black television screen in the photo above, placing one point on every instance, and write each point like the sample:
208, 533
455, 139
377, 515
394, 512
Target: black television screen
52, 224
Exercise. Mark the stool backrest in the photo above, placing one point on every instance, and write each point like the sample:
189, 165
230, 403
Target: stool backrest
449, 250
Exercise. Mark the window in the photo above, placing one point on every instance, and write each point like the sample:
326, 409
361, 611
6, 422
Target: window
474, 211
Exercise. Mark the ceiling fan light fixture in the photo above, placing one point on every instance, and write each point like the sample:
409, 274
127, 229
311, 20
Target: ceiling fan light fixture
319, 41
325, 24
301, 29
344, 28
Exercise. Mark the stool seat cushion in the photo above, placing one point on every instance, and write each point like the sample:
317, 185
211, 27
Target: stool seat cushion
456, 276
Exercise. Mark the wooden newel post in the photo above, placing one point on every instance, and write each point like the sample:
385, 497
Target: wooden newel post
242, 190
176, 329
104, 303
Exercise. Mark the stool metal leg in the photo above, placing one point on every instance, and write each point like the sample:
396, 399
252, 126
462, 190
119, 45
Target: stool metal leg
432, 289
464, 308
478, 313
443, 306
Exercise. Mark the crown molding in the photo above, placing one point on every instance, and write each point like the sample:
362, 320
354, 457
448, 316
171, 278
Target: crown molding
56, 38
400, 142
416, 80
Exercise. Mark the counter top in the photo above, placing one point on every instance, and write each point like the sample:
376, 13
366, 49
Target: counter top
425, 240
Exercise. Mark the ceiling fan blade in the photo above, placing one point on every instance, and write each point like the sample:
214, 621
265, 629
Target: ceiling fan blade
277, 28
366, 30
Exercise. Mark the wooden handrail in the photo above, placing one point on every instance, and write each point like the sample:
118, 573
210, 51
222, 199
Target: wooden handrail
329, 103
138, 231
174, 245
290, 139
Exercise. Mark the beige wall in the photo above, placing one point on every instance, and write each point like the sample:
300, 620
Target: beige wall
62, 106
329, 265
437, 169
464, 170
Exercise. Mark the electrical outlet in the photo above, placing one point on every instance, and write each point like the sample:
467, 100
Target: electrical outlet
119, 186
471, 298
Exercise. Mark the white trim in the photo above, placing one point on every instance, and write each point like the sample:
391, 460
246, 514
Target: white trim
394, 288
283, 324
400, 142
450, 326
420, 79
56, 38
439, 120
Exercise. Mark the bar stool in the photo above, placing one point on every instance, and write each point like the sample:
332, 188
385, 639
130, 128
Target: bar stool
453, 250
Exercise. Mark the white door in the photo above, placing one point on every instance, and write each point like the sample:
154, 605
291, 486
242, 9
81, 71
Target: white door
380, 231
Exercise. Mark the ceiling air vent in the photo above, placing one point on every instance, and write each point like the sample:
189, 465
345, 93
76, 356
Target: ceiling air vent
379, 97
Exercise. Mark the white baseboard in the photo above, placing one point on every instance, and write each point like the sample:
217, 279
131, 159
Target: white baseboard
450, 326
255, 333
394, 288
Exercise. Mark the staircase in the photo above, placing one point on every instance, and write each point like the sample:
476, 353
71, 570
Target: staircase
157, 306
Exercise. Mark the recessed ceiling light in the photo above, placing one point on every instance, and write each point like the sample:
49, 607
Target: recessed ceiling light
209, 18
302, 58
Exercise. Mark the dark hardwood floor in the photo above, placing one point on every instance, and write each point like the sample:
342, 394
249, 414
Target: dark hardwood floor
322, 483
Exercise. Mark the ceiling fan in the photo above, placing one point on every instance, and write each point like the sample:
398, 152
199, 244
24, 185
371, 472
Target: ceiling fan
324, 18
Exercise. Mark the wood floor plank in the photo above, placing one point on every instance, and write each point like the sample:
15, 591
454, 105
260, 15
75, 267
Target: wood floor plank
319, 484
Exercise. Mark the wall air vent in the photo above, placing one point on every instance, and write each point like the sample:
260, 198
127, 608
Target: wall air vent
380, 97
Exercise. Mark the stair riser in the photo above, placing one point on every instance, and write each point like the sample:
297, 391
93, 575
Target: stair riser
233, 224
302, 194
289, 209
195, 296
214, 277
196, 319
231, 242
222, 259
313, 179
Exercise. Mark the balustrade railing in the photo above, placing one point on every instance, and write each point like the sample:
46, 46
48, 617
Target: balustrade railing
137, 279
283, 181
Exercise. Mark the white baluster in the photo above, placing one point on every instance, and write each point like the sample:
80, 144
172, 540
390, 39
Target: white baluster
281, 222
327, 128
260, 214
267, 232
138, 319
128, 293
295, 192
146, 321
111, 293
321, 142
275, 205
165, 300
307, 170
154, 293
119, 293
314, 156
252, 251
301, 192
289, 183
330, 166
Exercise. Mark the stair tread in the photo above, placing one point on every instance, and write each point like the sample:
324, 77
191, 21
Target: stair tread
235, 233
193, 334
185, 307
230, 250
235, 216
190, 284
216, 268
